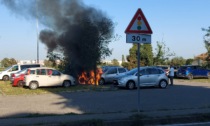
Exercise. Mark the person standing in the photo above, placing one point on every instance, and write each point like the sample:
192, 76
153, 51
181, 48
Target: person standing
171, 74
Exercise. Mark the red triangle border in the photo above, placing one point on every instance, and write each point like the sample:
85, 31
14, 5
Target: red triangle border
128, 29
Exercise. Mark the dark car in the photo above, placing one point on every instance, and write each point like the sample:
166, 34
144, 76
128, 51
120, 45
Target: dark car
193, 71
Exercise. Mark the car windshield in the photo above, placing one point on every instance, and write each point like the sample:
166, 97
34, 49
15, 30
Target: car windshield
8, 68
132, 72
22, 71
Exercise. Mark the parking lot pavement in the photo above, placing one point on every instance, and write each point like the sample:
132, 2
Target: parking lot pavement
183, 98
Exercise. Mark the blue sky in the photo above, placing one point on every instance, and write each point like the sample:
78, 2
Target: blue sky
177, 22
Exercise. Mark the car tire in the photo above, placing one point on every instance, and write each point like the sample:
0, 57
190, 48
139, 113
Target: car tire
163, 84
101, 81
208, 75
20, 84
5, 78
130, 85
190, 77
33, 85
66, 83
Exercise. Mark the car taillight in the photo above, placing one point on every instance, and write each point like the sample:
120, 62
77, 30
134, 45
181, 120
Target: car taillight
13, 75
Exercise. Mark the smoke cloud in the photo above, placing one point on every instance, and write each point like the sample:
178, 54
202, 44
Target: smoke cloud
80, 32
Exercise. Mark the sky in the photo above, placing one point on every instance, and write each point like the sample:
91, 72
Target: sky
177, 23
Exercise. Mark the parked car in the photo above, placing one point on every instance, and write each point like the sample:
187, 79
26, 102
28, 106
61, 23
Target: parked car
18, 79
193, 71
44, 77
5, 74
14, 75
149, 76
175, 70
111, 73
166, 68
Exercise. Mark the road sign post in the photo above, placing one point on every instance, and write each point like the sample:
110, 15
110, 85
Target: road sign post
138, 31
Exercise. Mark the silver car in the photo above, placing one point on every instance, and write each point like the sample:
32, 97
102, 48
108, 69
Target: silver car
149, 76
111, 73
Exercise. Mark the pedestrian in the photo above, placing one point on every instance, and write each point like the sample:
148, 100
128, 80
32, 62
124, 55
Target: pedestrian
171, 74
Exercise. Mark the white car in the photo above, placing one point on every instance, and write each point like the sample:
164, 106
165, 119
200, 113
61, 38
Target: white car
6, 74
44, 76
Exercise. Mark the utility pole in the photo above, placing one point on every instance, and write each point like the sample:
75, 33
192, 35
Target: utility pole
37, 31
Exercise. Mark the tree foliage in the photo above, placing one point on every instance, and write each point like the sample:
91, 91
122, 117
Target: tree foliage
115, 62
207, 45
162, 54
146, 56
178, 61
6, 62
189, 61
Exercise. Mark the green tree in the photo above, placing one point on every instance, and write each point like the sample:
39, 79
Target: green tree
207, 45
132, 57
115, 62
146, 56
162, 54
6, 62
189, 61
125, 65
53, 58
178, 61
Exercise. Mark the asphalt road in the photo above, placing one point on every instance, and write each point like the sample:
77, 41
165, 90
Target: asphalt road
181, 99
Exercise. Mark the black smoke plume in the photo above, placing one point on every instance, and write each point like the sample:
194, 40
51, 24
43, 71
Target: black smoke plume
80, 32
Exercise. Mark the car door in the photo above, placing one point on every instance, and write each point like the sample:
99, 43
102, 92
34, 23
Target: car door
203, 72
14, 69
41, 77
111, 74
55, 78
153, 76
143, 77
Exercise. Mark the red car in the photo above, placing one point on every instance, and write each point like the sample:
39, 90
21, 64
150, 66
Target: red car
18, 80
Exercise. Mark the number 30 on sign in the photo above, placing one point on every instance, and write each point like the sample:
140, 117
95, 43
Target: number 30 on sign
138, 38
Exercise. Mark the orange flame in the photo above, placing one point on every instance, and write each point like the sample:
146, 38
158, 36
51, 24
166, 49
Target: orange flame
90, 78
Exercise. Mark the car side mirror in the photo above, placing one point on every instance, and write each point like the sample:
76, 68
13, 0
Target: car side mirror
139, 74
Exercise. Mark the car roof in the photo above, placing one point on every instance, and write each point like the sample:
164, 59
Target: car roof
34, 68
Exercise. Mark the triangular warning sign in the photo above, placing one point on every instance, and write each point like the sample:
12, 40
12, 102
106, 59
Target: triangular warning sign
139, 24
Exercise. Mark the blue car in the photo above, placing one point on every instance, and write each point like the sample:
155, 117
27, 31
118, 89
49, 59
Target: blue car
193, 71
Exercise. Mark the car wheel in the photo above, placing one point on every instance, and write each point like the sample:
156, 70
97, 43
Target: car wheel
130, 85
33, 85
163, 84
190, 76
101, 81
66, 84
208, 75
20, 83
6, 78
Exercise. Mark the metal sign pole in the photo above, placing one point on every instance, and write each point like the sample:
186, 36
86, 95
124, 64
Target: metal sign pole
138, 81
